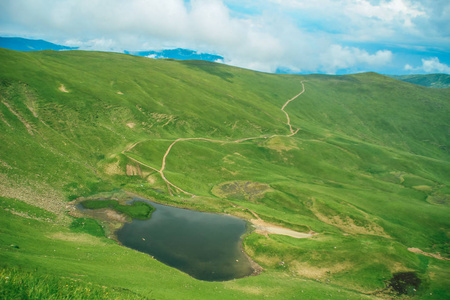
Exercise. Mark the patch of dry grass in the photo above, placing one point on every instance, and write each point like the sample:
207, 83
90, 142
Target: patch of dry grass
314, 272
78, 238
248, 190
280, 144
113, 169
346, 223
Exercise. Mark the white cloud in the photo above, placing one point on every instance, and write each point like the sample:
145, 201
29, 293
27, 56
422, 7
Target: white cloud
338, 57
386, 11
300, 35
384, 21
432, 65
408, 67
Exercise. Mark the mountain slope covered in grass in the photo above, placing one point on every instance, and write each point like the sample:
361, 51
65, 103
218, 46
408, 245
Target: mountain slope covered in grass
367, 171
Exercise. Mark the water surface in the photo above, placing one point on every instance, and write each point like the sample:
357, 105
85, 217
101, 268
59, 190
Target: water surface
204, 245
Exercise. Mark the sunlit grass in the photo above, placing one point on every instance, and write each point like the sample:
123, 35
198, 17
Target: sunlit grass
368, 172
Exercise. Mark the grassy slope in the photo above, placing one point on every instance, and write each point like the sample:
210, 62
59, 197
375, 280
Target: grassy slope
370, 153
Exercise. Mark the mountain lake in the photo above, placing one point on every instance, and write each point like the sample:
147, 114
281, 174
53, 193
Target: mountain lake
206, 246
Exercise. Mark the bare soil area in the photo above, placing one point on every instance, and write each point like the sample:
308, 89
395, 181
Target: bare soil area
63, 89
267, 228
435, 255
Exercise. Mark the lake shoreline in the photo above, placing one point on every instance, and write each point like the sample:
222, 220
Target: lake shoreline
113, 221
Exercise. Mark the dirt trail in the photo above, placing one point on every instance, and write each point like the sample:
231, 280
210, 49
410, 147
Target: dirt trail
169, 184
163, 164
131, 147
287, 115
261, 226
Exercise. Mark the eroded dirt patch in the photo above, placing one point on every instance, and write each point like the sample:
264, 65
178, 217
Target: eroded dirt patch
267, 228
134, 170
63, 89
103, 214
435, 255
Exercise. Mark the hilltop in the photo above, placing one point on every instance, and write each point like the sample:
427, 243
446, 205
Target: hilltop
22, 44
364, 165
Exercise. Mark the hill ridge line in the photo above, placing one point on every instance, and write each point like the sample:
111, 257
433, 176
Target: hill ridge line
163, 164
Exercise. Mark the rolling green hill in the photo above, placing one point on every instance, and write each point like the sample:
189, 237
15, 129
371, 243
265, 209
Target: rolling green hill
368, 171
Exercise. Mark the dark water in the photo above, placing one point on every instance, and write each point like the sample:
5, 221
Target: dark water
204, 245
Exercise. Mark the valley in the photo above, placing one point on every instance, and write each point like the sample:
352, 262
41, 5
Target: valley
357, 164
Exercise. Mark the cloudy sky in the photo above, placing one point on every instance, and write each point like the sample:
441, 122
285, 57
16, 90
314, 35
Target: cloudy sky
294, 36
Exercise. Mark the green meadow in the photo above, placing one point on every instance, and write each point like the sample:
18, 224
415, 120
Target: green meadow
138, 210
368, 172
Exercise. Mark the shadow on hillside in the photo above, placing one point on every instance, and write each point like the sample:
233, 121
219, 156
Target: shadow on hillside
208, 67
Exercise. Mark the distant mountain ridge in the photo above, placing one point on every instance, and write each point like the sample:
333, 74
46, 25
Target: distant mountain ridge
179, 53
428, 80
21, 44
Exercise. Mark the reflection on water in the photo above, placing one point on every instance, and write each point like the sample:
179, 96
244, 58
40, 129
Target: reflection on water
204, 245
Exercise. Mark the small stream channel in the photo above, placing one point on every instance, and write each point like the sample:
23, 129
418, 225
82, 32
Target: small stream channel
206, 246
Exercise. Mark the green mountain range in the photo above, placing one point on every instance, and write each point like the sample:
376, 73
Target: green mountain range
429, 80
361, 162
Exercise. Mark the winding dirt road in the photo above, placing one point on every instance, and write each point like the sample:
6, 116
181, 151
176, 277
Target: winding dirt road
163, 165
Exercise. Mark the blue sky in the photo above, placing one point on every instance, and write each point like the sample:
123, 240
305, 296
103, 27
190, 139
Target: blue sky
295, 36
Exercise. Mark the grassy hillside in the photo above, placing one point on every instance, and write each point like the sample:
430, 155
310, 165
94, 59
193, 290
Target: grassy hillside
368, 171
429, 80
